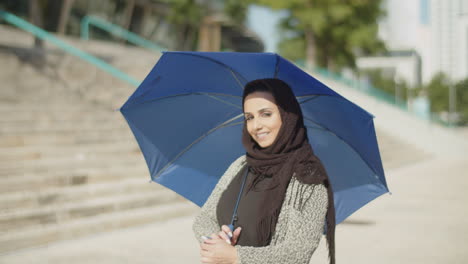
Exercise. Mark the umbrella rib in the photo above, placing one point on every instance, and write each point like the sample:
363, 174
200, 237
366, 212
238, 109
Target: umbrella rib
185, 94
315, 96
350, 145
220, 100
237, 80
224, 124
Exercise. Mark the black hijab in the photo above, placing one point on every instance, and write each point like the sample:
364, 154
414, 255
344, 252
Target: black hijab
290, 153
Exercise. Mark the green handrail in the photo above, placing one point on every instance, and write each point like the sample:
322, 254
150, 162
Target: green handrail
42, 34
87, 21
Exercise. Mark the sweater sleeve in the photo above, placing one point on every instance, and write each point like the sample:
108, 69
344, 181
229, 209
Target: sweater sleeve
206, 222
304, 231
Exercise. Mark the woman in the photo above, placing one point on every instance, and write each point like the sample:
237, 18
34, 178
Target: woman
287, 196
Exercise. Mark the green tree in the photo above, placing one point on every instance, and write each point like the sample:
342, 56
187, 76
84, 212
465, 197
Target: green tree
333, 32
236, 10
438, 92
462, 100
385, 82
186, 17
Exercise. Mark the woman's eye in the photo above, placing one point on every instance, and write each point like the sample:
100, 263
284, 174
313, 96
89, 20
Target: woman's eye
266, 114
247, 118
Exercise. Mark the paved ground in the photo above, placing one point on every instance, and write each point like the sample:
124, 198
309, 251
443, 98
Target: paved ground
425, 220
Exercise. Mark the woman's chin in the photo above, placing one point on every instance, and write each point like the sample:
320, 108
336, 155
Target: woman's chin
264, 144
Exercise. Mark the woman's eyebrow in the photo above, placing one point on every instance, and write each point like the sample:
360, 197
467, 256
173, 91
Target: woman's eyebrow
261, 110
264, 109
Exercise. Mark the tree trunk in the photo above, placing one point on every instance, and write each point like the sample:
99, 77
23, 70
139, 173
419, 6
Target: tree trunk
36, 19
209, 36
64, 14
330, 63
128, 12
310, 50
137, 21
51, 12
190, 38
155, 29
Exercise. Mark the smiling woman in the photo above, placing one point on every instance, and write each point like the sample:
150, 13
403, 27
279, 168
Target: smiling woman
262, 117
280, 214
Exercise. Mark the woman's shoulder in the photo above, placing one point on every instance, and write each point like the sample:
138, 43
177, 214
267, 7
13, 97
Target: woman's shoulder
232, 170
240, 159
237, 164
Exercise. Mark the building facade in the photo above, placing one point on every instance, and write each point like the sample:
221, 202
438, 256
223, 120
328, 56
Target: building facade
436, 29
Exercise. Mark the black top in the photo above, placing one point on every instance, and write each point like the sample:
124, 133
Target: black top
248, 206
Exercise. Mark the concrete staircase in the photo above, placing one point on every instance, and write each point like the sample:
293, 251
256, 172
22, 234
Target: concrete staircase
69, 170
69, 165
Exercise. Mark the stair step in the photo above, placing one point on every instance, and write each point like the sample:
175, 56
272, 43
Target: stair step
62, 213
19, 118
19, 239
66, 177
55, 151
46, 118
14, 201
65, 138
65, 128
49, 164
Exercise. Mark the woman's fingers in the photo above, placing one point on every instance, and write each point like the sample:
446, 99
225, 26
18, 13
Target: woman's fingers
210, 240
235, 235
227, 230
224, 237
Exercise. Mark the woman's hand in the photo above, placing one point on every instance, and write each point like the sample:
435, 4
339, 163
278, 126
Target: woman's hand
217, 250
231, 237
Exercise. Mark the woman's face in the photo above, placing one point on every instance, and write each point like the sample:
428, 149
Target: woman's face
262, 117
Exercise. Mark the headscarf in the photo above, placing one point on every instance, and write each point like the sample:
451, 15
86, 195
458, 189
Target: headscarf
290, 153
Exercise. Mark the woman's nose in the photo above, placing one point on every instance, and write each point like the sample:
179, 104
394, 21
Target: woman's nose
257, 124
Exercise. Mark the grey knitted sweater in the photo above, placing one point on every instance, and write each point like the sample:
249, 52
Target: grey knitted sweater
298, 231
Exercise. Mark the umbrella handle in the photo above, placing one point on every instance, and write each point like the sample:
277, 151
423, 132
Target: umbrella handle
234, 215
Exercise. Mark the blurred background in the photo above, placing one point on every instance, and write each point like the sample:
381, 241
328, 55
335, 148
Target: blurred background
74, 187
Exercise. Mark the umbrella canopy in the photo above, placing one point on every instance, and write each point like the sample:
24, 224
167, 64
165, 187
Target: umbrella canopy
187, 118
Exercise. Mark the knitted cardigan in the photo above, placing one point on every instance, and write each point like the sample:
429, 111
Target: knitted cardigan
298, 231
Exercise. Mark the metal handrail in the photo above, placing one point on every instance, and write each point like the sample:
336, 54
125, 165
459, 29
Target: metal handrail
42, 34
89, 20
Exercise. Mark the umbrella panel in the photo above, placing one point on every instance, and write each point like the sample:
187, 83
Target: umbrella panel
347, 122
340, 161
172, 124
195, 174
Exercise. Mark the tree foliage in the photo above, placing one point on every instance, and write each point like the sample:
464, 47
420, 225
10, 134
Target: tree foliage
462, 100
236, 10
186, 17
336, 30
386, 82
438, 91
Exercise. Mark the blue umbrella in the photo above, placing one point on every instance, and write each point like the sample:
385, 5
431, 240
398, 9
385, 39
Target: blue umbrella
187, 118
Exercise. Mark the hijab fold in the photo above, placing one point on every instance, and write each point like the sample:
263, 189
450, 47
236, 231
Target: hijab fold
290, 154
